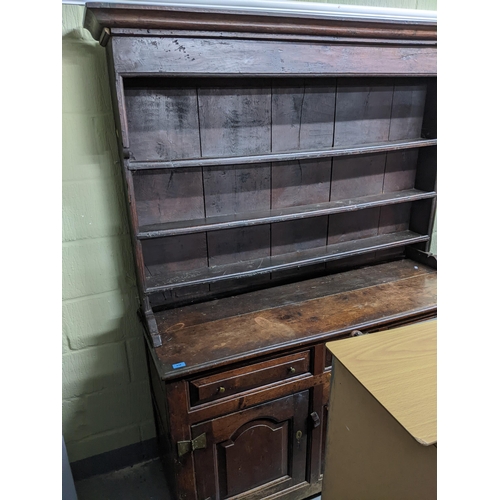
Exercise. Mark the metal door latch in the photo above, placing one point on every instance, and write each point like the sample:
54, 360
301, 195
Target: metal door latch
315, 419
198, 443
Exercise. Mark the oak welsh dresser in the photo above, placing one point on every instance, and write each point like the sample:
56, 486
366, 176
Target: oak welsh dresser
280, 174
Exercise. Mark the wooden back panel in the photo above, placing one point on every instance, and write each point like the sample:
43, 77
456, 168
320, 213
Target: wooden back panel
186, 118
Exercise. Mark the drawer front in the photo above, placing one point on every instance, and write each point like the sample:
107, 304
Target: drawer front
221, 385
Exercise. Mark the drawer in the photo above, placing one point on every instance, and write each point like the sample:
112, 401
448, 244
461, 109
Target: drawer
221, 385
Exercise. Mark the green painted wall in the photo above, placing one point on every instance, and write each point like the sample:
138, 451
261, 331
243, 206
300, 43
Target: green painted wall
106, 402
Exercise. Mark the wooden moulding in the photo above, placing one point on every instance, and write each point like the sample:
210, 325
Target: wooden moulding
155, 17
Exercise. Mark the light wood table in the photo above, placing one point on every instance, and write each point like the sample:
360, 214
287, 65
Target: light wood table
382, 424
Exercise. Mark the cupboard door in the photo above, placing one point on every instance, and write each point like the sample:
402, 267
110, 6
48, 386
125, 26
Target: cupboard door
253, 453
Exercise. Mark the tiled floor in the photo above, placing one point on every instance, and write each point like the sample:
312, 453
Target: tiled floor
141, 482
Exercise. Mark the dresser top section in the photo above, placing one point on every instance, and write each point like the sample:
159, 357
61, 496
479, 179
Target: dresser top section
272, 19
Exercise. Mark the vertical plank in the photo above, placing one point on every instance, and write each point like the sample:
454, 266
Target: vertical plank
394, 218
401, 166
300, 182
236, 189
349, 226
166, 196
357, 176
293, 236
363, 111
302, 114
162, 120
239, 189
234, 245
400, 170
235, 118
362, 115
407, 109
302, 118
175, 253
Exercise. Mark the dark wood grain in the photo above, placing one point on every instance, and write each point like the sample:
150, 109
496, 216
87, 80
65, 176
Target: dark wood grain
194, 56
291, 325
400, 171
353, 177
353, 226
235, 119
363, 111
248, 377
164, 277
165, 197
181, 469
175, 253
249, 450
302, 114
181, 33
302, 118
237, 189
251, 218
262, 150
286, 157
296, 236
297, 183
233, 246
293, 293
162, 121
392, 221
407, 109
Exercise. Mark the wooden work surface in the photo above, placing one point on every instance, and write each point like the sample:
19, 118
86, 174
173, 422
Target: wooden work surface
398, 367
216, 333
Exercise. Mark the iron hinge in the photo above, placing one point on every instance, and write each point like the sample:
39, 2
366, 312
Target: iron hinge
198, 443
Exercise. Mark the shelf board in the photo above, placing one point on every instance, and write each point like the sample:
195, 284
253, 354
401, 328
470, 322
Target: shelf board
162, 280
279, 215
379, 147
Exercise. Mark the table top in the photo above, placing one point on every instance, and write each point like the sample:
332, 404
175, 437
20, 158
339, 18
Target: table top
399, 368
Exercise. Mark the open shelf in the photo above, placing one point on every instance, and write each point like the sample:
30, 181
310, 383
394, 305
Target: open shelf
162, 280
378, 147
280, 215
244, 183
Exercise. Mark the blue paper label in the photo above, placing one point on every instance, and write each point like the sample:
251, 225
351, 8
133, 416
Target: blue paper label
178, 365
